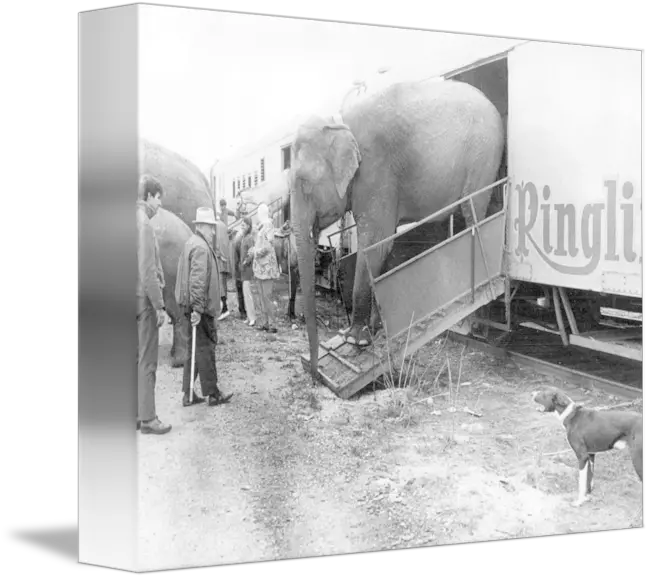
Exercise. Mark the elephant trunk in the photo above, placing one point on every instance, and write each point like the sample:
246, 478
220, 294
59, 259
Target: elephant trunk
306, 251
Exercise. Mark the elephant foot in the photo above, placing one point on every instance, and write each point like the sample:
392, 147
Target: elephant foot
358, 336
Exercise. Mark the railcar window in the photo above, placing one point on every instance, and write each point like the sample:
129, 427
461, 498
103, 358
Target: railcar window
287, 157
262, 169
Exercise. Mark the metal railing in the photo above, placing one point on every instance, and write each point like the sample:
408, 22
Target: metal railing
388, 285
273, 207
450, 208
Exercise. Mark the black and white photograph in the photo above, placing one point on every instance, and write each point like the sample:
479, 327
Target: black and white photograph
396, 255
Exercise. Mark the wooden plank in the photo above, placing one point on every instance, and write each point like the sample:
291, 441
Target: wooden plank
345, 362
581, 379
362, 381
436, 327
568, 310
493, 324
614, 334
331, 384
632, 353
346, 369
559, 316
334, 342
535, 326
337, 371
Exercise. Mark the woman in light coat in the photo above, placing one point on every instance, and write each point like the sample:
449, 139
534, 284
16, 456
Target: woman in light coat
265, 267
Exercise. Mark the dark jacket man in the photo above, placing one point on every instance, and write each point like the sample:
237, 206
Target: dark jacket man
197, 292
237, 267
223, 253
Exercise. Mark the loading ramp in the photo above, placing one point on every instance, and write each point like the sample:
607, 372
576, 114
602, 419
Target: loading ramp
422, 298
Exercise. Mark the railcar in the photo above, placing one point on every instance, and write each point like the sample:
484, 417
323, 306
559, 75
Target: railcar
573, 245
570, 190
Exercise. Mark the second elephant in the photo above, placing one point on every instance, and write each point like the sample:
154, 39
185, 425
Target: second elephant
185, 187
172, 234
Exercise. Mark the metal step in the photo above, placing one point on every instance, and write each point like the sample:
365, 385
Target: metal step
346, 369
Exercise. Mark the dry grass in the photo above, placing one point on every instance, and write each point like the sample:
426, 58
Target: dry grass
415, 383
405, 376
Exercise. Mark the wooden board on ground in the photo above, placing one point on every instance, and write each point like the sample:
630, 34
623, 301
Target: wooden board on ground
346, 369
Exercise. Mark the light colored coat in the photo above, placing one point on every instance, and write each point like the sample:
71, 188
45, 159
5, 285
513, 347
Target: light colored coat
265, 264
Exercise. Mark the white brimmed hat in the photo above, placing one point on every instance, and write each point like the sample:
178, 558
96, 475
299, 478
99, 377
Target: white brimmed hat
205, 216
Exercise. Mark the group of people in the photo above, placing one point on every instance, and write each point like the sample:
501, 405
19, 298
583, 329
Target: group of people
208, 258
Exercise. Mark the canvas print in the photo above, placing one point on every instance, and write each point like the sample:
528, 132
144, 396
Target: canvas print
389, 289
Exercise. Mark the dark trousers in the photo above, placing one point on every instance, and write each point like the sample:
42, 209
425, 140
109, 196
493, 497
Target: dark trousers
205, 340
241, 306
147, 356
223, 292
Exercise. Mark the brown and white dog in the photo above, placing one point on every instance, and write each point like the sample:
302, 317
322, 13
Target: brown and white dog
591, 431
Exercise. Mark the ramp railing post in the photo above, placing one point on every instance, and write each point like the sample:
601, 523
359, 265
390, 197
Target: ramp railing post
476, 227
473, 265
507, 303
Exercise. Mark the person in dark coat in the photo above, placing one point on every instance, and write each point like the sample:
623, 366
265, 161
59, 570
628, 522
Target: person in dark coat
237, 270
150, 305
223, 253
246, 269
198, 294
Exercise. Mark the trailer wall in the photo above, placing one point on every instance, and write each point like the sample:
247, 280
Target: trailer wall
574, 152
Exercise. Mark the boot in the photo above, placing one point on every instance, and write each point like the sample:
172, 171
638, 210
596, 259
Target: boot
155, 427
216, 400
186, 401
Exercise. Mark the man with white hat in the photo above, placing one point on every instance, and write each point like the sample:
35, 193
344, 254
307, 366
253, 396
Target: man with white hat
198, 294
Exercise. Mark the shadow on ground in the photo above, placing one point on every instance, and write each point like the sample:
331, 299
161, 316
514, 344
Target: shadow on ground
63, 541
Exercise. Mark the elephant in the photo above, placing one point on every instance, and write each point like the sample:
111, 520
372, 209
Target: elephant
287, 259
172, 235
392, 158
185, 187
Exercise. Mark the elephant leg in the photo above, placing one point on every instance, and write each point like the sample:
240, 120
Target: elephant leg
178, 351
292, 296
368, 234
375, 319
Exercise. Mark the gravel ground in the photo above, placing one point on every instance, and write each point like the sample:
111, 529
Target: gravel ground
289, 470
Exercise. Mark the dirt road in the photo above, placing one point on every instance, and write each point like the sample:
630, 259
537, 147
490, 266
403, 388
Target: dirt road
288, 470
256, 479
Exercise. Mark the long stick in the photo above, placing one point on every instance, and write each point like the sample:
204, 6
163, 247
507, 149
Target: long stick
192, 365
289, 274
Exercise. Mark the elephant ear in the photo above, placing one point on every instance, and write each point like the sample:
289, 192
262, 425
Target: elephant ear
345, 157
